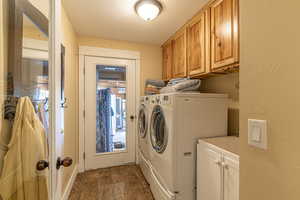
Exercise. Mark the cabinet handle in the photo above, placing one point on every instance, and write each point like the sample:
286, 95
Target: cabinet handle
218, 163
225, 166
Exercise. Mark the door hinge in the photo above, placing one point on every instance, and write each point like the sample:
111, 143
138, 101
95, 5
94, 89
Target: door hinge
83, 155
84, 71
84, 114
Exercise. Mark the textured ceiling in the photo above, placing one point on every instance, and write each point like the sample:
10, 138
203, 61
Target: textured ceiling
116, 19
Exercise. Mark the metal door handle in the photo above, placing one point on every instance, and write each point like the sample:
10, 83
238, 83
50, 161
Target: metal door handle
66, 162
132, 117
64, 104
42, 165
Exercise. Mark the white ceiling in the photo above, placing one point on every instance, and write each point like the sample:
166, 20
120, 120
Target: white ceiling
116, 19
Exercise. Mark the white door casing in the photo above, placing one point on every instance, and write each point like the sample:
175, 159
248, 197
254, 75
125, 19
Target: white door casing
92, 159
86, 51
56, 138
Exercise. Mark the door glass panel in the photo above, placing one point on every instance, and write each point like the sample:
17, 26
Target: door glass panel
110, 109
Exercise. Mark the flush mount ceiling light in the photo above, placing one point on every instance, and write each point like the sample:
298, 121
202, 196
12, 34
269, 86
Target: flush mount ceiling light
148, 9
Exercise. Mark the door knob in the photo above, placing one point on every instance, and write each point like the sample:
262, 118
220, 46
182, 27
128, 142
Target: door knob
42, 165
66, 162
132, 117
64, 104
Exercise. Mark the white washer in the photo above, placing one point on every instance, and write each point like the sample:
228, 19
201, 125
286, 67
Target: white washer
177, 122
143, 136
143, 125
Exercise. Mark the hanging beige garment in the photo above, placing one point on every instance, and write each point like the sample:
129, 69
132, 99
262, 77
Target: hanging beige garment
5, 136
20, 180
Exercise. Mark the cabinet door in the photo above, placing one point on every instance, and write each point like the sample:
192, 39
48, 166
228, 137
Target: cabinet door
231, 178
209, 173
179, 47
198, 44
224, 33
167, 61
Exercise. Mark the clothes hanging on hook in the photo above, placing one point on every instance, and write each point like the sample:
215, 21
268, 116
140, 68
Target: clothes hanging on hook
20, 180
42, 111
10, 106
11, 102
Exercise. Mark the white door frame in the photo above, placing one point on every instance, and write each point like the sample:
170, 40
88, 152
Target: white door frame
54, 97
105, 53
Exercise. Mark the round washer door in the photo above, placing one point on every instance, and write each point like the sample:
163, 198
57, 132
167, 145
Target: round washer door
159, 134
142, 122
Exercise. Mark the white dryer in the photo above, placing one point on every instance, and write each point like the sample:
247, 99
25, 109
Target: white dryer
177, 121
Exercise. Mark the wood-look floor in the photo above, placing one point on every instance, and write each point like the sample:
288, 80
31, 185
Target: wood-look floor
116, 183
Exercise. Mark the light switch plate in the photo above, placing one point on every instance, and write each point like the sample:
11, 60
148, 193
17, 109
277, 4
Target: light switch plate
257, 133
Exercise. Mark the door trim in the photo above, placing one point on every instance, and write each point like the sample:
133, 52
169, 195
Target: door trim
105, 53
54, 96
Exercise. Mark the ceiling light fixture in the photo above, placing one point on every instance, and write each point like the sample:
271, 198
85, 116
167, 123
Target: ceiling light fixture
148, 9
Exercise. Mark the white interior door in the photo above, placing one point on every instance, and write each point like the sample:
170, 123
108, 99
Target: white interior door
110, 110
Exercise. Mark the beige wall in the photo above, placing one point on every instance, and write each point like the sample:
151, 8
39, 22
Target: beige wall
3, 51
269, 89
3, 54
227, 84
151, 55
69, 40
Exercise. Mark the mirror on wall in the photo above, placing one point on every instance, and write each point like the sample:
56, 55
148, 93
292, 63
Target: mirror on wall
24, 124
35, 65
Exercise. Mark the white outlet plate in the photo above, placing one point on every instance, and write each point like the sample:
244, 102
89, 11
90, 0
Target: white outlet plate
257, 133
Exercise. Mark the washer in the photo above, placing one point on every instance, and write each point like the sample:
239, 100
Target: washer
177, 122
143, 122
143, 135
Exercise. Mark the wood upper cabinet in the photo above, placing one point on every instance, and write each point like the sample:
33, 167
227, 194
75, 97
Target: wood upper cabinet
167, 61
179, 54
208, 43
224, 33
198, 58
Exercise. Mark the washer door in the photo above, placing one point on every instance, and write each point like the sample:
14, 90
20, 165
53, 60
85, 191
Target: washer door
159, 134
143, 122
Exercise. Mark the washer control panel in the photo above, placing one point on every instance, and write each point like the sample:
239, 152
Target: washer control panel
166, 100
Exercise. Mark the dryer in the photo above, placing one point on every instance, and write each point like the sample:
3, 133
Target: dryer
177, 122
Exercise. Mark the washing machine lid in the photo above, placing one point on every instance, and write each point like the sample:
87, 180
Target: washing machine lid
158, 130
143, 121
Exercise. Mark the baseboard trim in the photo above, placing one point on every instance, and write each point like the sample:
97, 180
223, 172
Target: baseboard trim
68, 189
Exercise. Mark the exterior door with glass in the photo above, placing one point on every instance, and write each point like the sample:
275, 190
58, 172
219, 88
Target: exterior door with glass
110, 110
